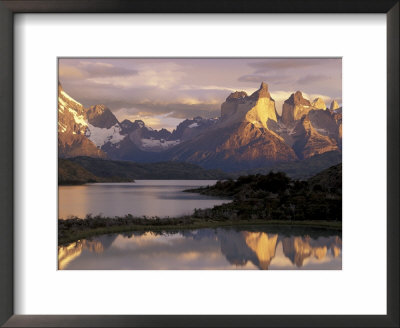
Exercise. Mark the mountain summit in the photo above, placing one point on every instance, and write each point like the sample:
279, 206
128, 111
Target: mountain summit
257, 108
241, 138
334, 105
248, 134
319, 103
262, 92
295, 107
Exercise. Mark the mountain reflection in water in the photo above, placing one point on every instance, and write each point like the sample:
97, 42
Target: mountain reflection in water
222, 248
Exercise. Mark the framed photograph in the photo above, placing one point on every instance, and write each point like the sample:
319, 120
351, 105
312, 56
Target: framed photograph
214, 164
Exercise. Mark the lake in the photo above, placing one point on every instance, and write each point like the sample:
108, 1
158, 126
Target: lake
253, 248
160, 198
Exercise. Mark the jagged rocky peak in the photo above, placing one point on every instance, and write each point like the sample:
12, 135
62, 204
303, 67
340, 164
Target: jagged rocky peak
64, 101
334, 105
97, 109
298, 99
236, 95
262, 92
126, 124
256, 109
101, 116
295, 107
72, 129
139, 124
318, 103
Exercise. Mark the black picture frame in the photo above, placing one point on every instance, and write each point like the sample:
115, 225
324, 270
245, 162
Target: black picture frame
10, 7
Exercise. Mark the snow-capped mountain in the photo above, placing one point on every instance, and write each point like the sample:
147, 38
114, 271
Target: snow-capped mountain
96, 132
190, 128
251, 134
248, 134
72, 129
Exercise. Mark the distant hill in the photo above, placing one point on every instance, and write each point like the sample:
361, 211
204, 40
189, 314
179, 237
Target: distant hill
329, 179
71, 173
300, 169
91, 169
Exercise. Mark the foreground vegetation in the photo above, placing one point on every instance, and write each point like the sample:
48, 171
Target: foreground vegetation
272, 199
73, 229
277, 197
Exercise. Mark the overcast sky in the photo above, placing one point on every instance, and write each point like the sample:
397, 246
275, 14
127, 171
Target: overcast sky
163, 92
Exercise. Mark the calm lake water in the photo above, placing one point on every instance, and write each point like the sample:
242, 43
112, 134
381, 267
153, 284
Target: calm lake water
257, 248
144, 197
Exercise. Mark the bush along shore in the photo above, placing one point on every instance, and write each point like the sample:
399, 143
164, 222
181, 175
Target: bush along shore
276, 197
272, 199
73, 229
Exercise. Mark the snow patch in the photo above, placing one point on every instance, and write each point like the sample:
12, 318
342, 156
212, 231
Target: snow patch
65, 95
63, 103
193, 125
321, 131
61, 127
155, 143
100, 136
79, 119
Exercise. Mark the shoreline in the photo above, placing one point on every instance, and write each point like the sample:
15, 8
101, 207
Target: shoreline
272, 199
71, 230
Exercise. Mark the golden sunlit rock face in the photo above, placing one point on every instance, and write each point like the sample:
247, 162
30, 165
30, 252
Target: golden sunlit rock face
253, 140
263, 245
248, 134
250, 143
334, 105
227, 248
294, 108
318, 103
72, 127
66, 254
297, 249
256, 109
315, 142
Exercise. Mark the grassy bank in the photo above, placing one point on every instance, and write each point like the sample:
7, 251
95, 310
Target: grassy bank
73, 229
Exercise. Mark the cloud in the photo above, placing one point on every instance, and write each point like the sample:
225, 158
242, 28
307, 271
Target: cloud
178, 110
252, 78
70, 72
162, 77
309, 79
154, 121
87, 70
270, 79
174, 89
289, 63
149, 99
99, 69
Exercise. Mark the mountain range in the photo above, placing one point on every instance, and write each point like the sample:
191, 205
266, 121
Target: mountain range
249, 133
